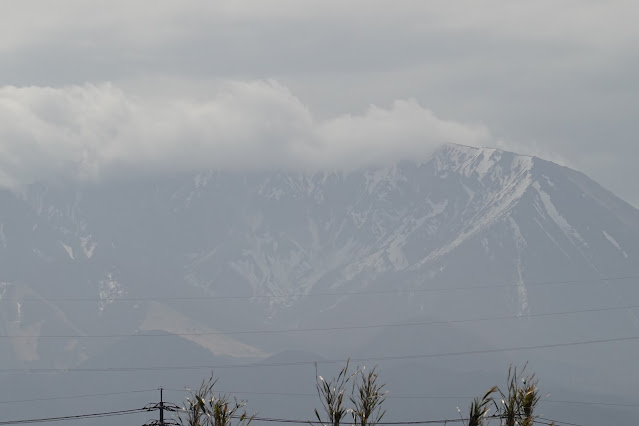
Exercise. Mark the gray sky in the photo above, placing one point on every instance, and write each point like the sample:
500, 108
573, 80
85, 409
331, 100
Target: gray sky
92, 87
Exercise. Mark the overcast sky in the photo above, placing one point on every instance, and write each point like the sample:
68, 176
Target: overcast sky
91, 87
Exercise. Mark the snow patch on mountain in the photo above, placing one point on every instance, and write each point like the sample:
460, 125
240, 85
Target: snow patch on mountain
109, 289
3, 237
556, 217
384, 180
510, 185
396, 254
3, 288
275, 267
468, 161
614, 242
68, 249
88, 246
520, 247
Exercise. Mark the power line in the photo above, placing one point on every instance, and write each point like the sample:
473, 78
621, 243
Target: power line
312, 422
604, 280
342, 328
333, 361
391, 396
538, 420
174, 408
75, 417
297, 394
16, 401
415, 422
255, 418
550, 421
171, 407
314, 395
607, 404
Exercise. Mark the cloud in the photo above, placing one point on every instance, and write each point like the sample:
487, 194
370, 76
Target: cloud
94, 132
560, 76
134, 21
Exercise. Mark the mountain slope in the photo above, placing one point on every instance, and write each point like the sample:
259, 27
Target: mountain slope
469, 231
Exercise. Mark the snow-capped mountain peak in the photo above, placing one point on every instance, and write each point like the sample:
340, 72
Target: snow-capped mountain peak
463, 216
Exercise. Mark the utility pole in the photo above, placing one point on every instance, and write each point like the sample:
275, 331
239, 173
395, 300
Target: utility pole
161, 407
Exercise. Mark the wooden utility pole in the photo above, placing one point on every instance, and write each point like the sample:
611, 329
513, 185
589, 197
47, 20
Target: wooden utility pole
161, 407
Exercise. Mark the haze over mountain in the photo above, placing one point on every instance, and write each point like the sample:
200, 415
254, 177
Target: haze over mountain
471, 250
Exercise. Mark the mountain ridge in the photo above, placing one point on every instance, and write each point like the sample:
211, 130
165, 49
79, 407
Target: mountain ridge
462, 216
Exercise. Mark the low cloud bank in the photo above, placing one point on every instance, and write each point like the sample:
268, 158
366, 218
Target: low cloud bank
95, 132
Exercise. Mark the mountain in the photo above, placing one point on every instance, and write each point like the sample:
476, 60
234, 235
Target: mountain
464, 236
